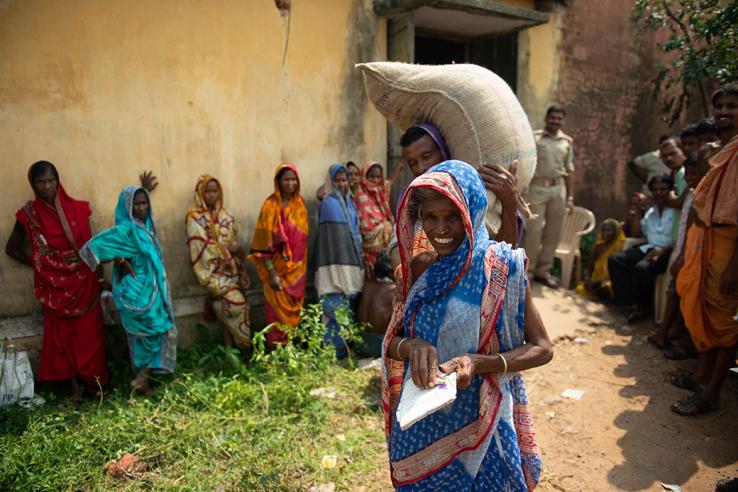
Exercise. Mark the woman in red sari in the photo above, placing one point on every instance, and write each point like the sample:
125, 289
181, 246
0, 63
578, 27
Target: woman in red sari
55, 226
279, 249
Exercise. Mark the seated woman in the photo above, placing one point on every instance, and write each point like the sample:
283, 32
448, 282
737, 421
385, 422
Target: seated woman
54, 225
217, 260
596, 281
375, 214
278, 250
140, 287
470, 308
339, 271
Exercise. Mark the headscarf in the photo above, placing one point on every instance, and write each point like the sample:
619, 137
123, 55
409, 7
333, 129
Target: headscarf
198, 207
470, 301
62, 282
437, 137
375, 215
269, 235
345, 202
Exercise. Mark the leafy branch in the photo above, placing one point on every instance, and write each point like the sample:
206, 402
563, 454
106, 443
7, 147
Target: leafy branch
702, 45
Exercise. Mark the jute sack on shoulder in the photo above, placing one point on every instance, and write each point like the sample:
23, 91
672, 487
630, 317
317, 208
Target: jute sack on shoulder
477, 112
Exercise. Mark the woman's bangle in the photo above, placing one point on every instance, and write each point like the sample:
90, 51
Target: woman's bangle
399, 357
395, 273
269, 265
504, 363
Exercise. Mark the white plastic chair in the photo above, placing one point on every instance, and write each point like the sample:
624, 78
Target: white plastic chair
578, 223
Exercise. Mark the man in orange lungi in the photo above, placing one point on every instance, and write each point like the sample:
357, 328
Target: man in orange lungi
708, 281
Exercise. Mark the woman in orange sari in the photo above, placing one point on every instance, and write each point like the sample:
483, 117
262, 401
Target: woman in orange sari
279, 249
375, 214
708, 281
217, 259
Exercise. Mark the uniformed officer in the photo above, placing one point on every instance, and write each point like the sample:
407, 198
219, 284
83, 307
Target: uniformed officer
550, 195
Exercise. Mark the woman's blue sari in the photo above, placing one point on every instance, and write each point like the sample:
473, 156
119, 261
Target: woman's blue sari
144, 301
339, 273
471, 301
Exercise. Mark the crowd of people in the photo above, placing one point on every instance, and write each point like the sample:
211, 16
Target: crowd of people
440, 293
684, 224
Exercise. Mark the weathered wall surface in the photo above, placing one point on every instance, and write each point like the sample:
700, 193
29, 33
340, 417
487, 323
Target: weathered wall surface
538, 67
602, 73
182, 87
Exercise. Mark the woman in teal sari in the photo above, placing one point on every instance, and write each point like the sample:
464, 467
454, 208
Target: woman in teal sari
140, 288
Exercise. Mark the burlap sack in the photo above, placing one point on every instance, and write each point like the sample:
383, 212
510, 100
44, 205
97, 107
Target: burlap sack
476, 111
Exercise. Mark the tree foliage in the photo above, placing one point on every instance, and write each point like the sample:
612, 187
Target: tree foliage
702, 43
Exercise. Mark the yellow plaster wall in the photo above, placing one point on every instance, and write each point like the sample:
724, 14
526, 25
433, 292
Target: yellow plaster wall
538, 67
107, 89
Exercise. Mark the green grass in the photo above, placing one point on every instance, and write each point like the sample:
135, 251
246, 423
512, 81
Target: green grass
218, 424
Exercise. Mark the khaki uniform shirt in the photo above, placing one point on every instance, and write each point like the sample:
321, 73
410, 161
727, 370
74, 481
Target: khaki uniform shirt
555, 154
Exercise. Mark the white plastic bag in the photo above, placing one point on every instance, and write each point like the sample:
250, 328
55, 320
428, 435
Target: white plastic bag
16, 376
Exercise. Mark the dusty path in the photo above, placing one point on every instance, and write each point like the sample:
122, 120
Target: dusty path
621, 435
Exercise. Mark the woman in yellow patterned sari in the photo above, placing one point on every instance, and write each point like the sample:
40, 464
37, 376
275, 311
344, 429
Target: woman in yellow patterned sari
597, 283
279, 251
217, 259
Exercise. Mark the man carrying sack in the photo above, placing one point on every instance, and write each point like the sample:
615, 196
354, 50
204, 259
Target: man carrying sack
550, 195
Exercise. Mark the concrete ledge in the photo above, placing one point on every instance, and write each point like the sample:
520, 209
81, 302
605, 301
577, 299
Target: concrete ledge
32, 325
483, 7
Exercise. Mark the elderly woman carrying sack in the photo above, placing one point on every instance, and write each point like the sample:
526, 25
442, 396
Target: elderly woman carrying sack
470, 309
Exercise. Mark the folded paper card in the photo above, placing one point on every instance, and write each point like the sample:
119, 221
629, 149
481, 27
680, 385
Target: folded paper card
416, 403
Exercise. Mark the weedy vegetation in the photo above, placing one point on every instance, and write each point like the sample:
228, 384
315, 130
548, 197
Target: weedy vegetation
218, 424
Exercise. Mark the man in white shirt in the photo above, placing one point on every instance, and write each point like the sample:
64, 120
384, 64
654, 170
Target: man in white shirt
634, 271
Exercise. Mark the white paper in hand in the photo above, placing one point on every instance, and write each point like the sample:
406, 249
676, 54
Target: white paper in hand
416, 403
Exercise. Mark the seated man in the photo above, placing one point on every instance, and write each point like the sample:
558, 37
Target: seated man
375, 307
634, 271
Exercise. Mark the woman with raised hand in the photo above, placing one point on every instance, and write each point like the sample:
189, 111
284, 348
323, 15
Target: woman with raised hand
140, 287
466, 306
217, 260
339, 273
55, 225
279, 249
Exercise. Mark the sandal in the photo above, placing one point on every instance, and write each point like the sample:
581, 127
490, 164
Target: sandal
684, 380
727, 485
693, 405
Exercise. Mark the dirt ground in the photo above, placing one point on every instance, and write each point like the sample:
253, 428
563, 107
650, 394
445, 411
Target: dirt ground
621, 434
